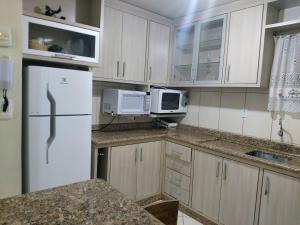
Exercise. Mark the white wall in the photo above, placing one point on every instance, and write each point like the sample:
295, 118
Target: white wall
10, 130
219, 109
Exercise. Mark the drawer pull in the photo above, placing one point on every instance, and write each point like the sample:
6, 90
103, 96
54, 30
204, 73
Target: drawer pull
268, 186
218, 170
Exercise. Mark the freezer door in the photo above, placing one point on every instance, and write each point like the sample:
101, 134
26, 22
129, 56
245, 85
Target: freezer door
58, 91
57, 155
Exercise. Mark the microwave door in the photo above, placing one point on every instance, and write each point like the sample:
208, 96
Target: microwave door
170, 102
132, 104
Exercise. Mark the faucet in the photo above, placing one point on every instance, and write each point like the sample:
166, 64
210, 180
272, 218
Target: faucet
280, 132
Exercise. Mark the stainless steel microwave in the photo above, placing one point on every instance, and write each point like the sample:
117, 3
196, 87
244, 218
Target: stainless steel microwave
165, 101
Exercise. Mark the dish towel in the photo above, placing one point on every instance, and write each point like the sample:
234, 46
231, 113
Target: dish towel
284, 95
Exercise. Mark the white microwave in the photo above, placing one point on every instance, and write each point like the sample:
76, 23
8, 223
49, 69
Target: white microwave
165, 101
125, 102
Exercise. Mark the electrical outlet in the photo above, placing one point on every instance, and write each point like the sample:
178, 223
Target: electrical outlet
244, 113
9, 113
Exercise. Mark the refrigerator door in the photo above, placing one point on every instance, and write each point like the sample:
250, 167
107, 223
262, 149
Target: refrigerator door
55, 91
58, 152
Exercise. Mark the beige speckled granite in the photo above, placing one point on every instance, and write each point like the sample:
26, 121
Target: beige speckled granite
217, 142
89, 203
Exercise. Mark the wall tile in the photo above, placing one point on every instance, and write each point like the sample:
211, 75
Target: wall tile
192, 116
291, 126
209, 110
259, 120
231, 105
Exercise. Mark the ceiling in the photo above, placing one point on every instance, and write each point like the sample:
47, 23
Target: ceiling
176, 8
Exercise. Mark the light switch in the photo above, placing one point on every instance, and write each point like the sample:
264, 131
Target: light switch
5, 37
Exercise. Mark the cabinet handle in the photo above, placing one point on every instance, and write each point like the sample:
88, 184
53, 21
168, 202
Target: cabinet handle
118, 68
135, 156
268, 186
218, 170
141, 155
150, 73
124, 68
63, 56
225, 171
228, 73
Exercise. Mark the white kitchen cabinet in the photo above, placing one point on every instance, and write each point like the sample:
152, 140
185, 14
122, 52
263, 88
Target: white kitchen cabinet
112, 45
54, 40
184, 54
280, 200
238, 193
135, 169
123, 171
134, 43
210, 55
124, 47
148, 170
207, 184
158, 56
245, 30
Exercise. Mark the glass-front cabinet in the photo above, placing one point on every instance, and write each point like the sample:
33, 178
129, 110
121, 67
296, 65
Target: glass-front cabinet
184, 54
199, 52
57, 40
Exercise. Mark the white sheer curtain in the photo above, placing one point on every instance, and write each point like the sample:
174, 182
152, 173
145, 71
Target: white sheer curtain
284, 93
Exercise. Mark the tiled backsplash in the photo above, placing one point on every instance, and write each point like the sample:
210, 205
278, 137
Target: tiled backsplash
220, 109
101, 118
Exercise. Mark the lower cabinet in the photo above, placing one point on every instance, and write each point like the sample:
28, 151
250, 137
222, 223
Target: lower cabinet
207, 184
136, 169
280, 200
224, 190
238, 193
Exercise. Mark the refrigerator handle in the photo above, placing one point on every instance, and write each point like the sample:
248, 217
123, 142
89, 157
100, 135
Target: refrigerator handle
52, 122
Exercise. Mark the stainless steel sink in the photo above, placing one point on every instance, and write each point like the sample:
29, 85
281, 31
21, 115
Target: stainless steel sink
268, 156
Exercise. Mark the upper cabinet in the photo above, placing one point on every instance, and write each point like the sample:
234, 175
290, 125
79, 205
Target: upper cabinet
199, 52
72, 35
221, 51
128, 41
245, 31
158, 56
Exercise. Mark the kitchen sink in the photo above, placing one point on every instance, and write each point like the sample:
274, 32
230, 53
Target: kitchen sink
268, 156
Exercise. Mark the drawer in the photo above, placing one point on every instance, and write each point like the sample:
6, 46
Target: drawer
177, 179
179, 166
178, 151
176, 192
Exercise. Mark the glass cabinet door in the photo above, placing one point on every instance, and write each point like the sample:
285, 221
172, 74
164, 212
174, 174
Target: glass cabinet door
184, 54
211, 50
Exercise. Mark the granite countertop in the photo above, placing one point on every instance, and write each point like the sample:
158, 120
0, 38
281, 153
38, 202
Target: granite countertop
226, 144
90, 202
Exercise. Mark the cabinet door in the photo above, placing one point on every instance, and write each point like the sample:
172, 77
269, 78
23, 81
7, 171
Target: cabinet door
134, 47
184, 65
159, 41
112, 45
244, 45
238, 193
207, 184
280, 200
148, 171
211, 50
123, 169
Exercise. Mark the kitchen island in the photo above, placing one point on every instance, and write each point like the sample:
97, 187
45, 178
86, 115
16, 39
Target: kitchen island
90, 202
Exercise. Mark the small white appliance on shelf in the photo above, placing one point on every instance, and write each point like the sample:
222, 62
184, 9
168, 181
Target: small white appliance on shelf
167, 101
125, 102
56, 127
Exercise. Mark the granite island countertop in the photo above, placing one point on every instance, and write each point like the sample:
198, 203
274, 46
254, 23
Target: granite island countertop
218, 143
91, 202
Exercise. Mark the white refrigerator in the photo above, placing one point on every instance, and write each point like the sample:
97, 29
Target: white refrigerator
56, 127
